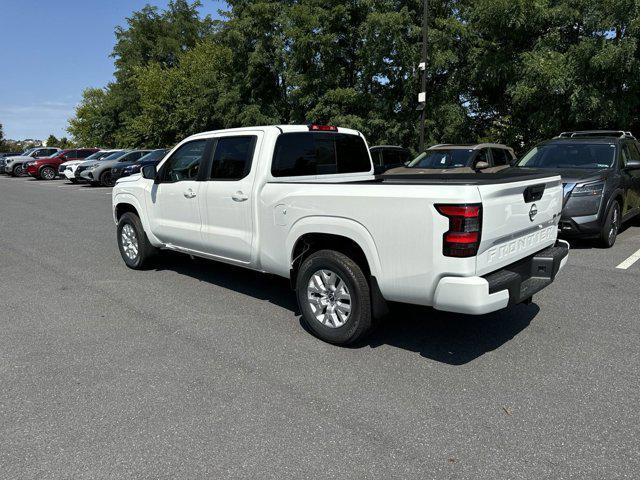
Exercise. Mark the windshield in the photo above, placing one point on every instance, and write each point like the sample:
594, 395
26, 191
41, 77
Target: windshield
130, 156
28, 151
96, 156
452, 158
114, 155
153, 156
570, 155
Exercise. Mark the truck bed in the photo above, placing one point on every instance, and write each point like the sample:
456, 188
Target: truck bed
510, 175
504, 176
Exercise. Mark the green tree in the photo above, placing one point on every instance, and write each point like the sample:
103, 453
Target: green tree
52, 141
180, 101
2, 142
515, 71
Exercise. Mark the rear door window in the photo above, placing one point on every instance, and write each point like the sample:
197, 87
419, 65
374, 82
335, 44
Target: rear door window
318, 153
232, 158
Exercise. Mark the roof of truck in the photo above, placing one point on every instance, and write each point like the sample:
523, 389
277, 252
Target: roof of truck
282, 128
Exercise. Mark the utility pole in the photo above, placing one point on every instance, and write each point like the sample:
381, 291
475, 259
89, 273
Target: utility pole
422, 97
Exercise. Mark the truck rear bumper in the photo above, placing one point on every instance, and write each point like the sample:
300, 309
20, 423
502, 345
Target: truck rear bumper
513, 284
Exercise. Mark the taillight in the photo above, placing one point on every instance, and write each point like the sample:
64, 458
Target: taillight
322, 128
465, 224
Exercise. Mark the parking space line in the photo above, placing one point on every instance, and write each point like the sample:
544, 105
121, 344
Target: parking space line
629, 261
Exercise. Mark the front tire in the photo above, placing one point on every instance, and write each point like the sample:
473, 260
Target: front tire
106, 180
17, 171
334, 297
134, 246
611, 227
47, 173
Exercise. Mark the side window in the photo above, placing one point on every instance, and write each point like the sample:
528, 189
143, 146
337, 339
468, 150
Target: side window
72, 154
232, 158
500, 157
184, 164
625, 156
313, 153
392, 157
634, 154
376, 158
483, 156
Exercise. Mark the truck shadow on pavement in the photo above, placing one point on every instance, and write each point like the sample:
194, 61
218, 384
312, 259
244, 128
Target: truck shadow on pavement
450, 338
443, 337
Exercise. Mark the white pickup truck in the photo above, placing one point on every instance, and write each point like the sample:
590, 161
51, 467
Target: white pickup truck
302, 202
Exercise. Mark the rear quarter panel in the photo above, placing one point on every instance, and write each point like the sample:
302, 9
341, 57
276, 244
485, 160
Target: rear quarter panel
397, 227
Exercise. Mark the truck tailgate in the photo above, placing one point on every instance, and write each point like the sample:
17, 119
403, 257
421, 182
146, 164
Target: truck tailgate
518, 220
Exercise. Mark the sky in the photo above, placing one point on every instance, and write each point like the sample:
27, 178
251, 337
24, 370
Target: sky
50, 51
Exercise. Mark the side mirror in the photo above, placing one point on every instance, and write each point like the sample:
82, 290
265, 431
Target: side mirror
149, 172
481, 165
632, 165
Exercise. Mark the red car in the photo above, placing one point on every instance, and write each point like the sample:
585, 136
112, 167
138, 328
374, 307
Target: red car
47, 168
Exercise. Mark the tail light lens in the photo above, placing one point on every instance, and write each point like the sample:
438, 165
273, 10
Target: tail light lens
465, 224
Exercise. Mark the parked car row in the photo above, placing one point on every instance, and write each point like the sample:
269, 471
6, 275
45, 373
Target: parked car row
600, 172
92, 165
14, 166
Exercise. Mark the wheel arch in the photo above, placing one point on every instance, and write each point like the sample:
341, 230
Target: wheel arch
311, 234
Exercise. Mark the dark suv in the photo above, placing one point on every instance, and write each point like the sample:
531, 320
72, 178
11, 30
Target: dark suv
601, 177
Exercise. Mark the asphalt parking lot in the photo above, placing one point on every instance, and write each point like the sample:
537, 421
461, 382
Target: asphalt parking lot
197, 369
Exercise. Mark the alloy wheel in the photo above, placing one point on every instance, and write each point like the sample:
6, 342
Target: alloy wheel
615, 223
48, 174
329, 298
129, 241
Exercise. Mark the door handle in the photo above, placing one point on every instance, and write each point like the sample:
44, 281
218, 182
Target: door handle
189, 194
239, 196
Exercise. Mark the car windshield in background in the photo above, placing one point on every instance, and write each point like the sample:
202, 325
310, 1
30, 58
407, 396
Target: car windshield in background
453, 158
576, 155
114, 155
54, 154
96, 156
153, 156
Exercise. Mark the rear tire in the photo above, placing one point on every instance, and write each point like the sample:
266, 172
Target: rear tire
47, 173
611, 227
134, 246
334, 297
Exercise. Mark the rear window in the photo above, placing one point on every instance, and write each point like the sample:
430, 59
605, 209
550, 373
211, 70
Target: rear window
312, 153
